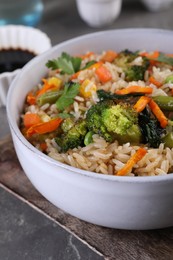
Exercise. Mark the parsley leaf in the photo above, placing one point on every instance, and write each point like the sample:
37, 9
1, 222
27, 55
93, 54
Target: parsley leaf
66, 63
67, 98
166, 59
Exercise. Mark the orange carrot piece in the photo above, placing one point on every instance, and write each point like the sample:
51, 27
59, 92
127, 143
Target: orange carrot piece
87, 55
94, 66
43, 146
157, 83
45, 87
158, 113
75, 75
103, 74
135, 89
153, 55
109, 56
169, 55
31, 99
140, 153
43, 128
31, 119
141, 103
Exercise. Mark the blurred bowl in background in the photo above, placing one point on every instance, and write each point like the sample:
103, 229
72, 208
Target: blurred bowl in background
98, 13
18, 37
157, 5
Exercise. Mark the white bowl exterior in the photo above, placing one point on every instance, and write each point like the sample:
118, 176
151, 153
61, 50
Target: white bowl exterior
118, 202
156, 5
99, 13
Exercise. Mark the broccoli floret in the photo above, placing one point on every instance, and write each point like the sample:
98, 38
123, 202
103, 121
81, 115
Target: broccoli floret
135, 72
67, 124
119, 118
124, 58
109, 119
94, 120
73, 137
132, 72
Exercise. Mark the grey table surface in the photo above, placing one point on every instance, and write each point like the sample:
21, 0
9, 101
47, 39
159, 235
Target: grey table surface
61, 21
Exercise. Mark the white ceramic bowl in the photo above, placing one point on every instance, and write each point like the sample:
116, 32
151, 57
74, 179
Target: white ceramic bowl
111, 201
24, 38
98, 13
157, 5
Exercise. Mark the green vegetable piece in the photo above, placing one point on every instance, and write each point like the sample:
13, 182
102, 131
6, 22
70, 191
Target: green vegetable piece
67, 124
67, 98
88, 138
73, 138
49, 97
150, 129
165, 59
94, 120
66, 63
64, 115
135, 72
105, 95
88, 64
119, 118
164, 102
133, 136
168, 140
169, 79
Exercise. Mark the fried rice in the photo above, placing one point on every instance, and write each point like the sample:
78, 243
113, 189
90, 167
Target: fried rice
101, 156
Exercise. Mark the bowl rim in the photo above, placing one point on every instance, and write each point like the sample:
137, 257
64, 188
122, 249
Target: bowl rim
15, 129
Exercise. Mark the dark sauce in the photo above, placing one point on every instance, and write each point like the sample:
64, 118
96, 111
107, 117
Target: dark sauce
13, 59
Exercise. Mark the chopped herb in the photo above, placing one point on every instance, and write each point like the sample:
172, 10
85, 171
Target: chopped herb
88, 64
64, 115
164, 58
66, 63
67, 98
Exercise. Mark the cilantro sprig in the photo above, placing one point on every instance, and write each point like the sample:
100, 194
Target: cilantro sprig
66, 63
165, 59
67, 98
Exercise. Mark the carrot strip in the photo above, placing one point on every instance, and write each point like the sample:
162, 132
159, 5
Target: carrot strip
155, 82
141, 103
135, 89
43, 146
109, 56
45, 87
31, 119
153, 55
94, 66
87, 55
158, 113
140, 153
31, 99
103, 74
43, 128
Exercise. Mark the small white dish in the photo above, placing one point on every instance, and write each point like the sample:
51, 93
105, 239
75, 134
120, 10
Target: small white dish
98, 13
157, 5
24, 38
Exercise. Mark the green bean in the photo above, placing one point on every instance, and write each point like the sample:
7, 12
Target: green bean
88, 138
164, 102
133, 136
168, 140
48, 97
